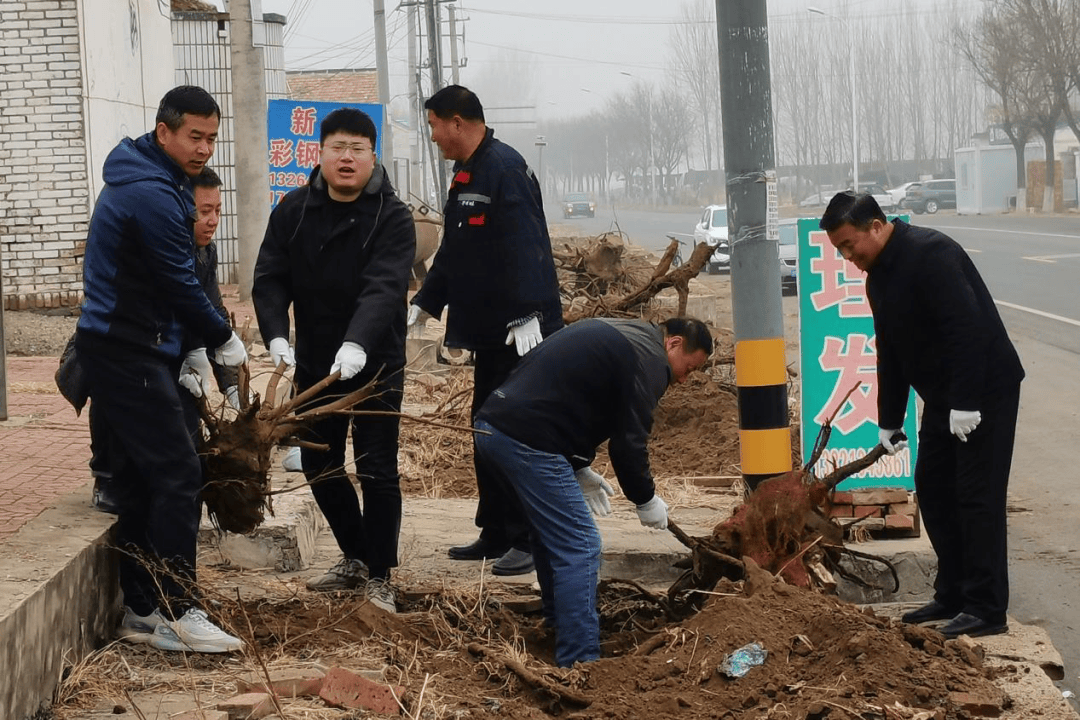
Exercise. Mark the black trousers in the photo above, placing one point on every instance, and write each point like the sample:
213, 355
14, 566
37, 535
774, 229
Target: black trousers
369, 534
961, 488
499, 514
156, 474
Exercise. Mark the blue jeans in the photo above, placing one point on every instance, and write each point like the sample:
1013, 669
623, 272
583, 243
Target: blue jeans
565, 541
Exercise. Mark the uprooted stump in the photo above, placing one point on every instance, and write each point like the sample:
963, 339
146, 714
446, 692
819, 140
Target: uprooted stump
783, 527
237, 449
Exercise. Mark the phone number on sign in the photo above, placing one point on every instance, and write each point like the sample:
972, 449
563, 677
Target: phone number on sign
288, 179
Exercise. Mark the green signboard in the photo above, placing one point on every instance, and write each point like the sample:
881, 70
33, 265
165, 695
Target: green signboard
838, 355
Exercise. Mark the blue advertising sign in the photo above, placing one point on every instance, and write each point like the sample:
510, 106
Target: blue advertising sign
294, 140
837, 353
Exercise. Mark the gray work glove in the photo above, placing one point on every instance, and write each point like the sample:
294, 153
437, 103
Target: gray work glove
195, 373
885, 438
963, 422
596, 491
653, 514
232, 353
525, 337
281, 352
350, 359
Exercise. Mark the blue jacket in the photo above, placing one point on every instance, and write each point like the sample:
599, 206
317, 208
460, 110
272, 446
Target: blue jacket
494, 266
139, 284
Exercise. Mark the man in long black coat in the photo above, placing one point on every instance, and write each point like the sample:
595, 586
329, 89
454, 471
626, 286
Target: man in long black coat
939, 332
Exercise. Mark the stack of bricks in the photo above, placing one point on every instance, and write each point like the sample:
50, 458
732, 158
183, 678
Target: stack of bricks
885, 512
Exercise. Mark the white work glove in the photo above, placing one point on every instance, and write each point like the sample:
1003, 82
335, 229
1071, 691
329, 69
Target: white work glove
195, 373
350, 359
962, 422
653, 514
596, 491
232, 395
291, 462
417, 316
232, 353
281, 352
885, 438
526, 336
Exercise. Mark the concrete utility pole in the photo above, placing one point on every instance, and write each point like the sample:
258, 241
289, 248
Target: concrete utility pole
382, 69
453, 45
3, 358
750, 167
249, 124
435, 58
417, 122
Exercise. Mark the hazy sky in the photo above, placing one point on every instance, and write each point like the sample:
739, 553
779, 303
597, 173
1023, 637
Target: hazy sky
580, 53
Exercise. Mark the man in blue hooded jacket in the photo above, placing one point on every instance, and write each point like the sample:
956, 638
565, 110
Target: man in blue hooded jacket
140, 293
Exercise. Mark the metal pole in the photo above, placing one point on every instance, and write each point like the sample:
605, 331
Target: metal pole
252, 143
383, 71
760, 365
414, 110
453, 44
854, 114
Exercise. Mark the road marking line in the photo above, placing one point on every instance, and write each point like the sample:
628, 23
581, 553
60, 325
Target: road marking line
1011, 232
1040, 313
1050, 258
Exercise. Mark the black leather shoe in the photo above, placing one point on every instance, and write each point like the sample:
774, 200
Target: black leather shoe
102, 498
514, 562
965, 624
933, 610
478, 550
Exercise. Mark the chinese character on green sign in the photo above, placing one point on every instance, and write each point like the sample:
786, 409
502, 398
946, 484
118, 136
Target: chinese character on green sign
837, 355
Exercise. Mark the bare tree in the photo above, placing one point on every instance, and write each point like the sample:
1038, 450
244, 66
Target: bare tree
996, 53
697, 66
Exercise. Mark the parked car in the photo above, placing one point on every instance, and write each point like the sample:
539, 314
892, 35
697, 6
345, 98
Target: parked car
931, 195
899, 192
884, 199
789, 256
578, 205
817, 199
712, 228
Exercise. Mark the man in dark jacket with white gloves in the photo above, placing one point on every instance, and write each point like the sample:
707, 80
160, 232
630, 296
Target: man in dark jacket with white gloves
495, 273
340, 251
592, 381
939, 332
141, 291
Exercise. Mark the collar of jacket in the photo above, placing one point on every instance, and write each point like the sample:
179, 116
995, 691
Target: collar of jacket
148, 145
377, 184
889, 254
489, 137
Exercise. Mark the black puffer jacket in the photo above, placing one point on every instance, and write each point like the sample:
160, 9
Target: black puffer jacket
346, 278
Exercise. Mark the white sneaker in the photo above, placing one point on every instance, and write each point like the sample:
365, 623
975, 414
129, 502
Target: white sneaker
138, 629
379, 593
193, 633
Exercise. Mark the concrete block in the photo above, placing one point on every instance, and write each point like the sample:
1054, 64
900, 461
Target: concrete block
201, 715
285, 541
286, 684
248, 706
344, 689
878, 496
421, 353
915, 564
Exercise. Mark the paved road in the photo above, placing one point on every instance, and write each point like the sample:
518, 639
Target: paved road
1032, 266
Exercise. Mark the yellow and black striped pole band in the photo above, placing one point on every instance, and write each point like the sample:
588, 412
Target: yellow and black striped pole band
764, 433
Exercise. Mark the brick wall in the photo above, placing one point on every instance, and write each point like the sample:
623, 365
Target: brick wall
44, 193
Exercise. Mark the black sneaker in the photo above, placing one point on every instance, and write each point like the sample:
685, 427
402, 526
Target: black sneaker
478, 550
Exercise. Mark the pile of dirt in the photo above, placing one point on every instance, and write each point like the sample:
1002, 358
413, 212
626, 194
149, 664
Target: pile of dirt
824, 658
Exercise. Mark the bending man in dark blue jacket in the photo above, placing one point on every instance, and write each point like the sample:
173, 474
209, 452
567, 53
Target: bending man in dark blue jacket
141, 291
495, 272
592, 381
939, 332
340, 251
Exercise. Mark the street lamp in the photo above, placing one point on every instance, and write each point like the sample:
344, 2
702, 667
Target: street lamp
854, 116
